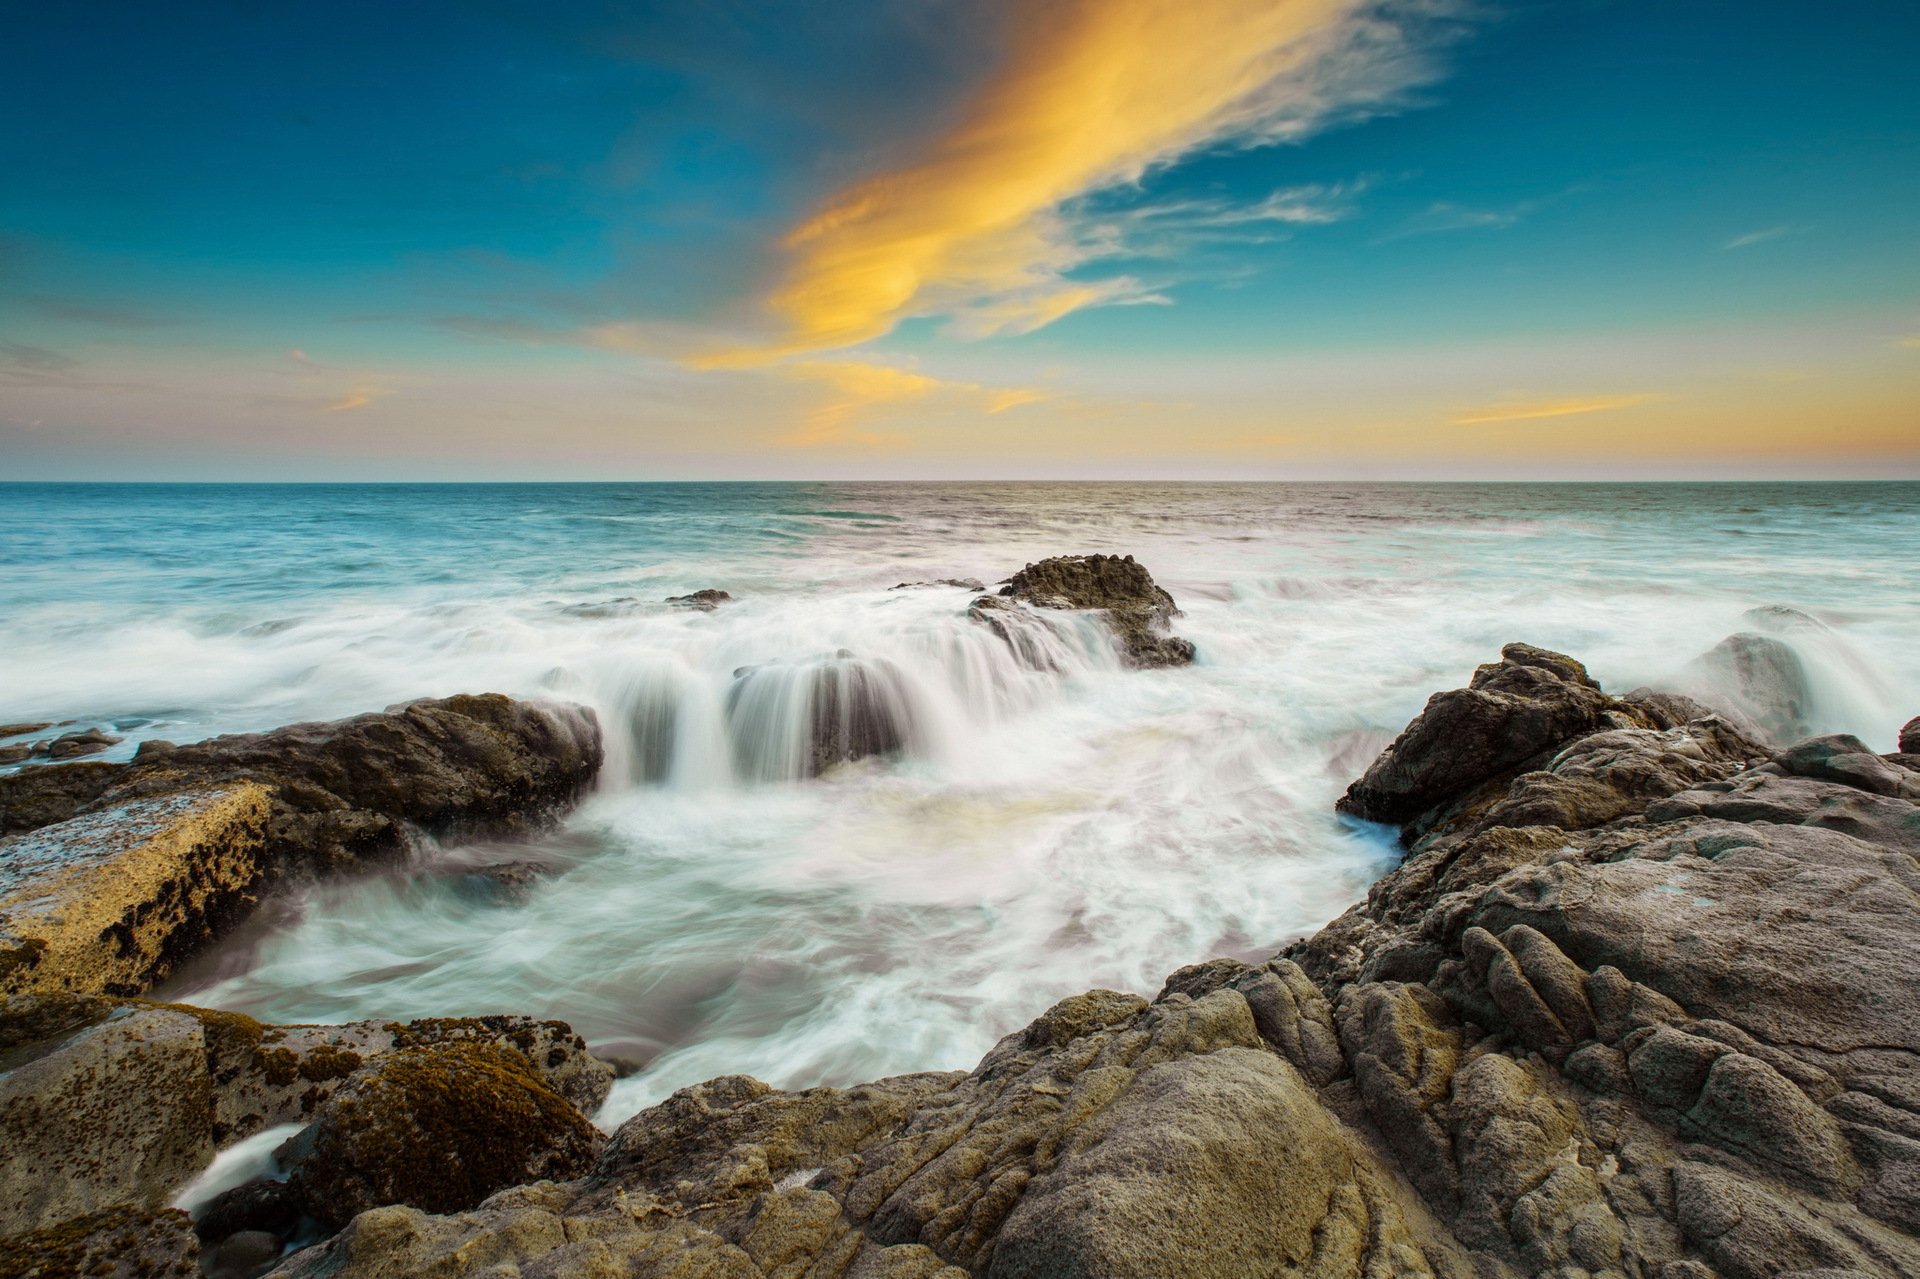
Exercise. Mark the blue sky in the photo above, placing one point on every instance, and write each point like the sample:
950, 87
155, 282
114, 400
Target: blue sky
923, 237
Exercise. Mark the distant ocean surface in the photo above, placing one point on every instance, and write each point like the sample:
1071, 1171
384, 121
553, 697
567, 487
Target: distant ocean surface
1043, 834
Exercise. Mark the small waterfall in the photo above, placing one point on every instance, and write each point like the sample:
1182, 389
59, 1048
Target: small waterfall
696, 717
793, 721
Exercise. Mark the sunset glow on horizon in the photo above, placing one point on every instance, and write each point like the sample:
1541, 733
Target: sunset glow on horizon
932, 239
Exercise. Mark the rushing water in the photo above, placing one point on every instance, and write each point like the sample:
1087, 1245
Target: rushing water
710, 910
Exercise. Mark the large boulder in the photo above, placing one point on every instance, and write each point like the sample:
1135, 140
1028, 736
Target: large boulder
438, 1128
347, 789
1910, 737
1513, 716
118, 1111
112, 900
117, 872
1137, 609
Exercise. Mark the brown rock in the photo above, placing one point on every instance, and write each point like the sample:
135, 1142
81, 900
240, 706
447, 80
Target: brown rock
1137, 609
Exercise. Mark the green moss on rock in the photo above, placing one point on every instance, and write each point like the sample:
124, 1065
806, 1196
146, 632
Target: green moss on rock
438, 1128
123, 1242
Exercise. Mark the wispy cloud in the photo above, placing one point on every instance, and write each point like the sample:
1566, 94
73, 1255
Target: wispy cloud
858, 388
1094, 95
1911, 342
103, 314
24, 360
353, 400
1528, 412
1443, 216
1752, 238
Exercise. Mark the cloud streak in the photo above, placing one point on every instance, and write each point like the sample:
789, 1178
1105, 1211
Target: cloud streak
1538, 411
1094, 95
857, 388
1752, 238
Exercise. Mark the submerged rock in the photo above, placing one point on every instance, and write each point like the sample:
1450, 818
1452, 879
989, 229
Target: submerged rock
957, 583
1137, 609
437, 1128
705, 600
90, 741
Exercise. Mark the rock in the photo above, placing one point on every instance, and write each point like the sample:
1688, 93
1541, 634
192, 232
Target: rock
1138, 610
705, 600
118, 1112
89, 741
1844, 758
957, 583
21, 730
14, 754
438, 1128
123, 1242
35, 797
789, 721
181, 841
244, 1255
503, 881
112, 901
1513, 715
1760, 679
1910, 737
260, 1206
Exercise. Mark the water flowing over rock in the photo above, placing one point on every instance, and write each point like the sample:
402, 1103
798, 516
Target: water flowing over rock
107, 1102
1613, 1016
790, 721
123, 870
1758, 679
1137, 609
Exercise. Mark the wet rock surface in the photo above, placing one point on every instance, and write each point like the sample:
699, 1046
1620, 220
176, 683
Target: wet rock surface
704, 600
796, 720
118, 1243
1139, 611
1598, 1025
115, 873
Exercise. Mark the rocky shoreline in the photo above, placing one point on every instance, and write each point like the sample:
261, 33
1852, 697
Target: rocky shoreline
1638, 1002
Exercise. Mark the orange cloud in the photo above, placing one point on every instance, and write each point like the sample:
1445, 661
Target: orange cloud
857, 388
1551, 408
353, 400
1094, 94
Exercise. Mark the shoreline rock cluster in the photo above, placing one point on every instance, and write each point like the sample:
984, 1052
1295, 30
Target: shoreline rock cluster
1636, 1005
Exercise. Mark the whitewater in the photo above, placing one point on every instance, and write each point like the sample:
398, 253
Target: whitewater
1045, 827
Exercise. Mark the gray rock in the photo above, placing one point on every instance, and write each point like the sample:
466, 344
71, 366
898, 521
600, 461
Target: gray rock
1760, 679
122, 1242
1910, 737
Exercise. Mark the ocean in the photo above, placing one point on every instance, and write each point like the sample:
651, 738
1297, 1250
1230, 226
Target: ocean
1043, 832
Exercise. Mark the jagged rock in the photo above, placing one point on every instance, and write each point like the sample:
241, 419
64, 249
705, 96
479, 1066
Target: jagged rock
1910, 737
35, 797
503, 881
1513, 715
705, 600
438, 1128
112, 901
123, 1242
1760, 679
1844, 758
1138, 610
92, 1116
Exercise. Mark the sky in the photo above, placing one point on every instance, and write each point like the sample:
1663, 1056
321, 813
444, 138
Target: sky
745, 239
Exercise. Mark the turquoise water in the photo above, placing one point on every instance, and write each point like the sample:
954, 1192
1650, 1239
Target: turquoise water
1043, 832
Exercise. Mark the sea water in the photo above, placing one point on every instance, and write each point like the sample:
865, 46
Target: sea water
1047, 827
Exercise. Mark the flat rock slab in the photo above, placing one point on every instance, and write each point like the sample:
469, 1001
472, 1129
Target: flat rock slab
110, 901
